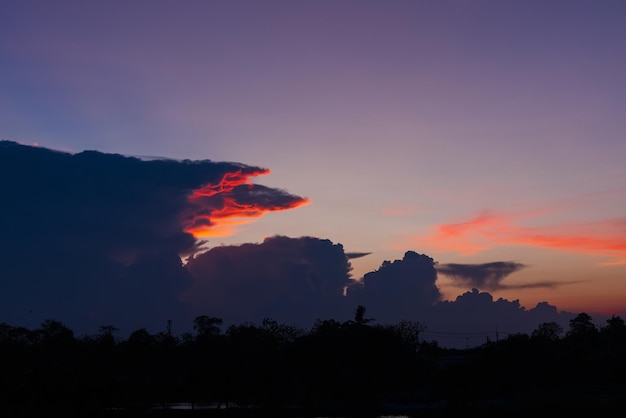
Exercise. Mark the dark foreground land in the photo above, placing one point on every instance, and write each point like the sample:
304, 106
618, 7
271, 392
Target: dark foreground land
597, 408
335, 370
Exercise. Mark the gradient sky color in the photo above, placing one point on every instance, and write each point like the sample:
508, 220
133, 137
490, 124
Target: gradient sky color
470, 131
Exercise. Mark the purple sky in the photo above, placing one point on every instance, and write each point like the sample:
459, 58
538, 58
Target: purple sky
470, 131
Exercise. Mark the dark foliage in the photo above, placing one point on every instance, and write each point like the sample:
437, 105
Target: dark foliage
352, 367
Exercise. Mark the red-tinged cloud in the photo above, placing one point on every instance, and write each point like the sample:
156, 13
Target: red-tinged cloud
605, 238
93, 238
216, 209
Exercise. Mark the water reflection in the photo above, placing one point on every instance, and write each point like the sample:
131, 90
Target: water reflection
189, 406
192, 405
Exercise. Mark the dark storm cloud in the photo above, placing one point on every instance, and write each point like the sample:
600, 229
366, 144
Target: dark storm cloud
299, 280
487, 276
90, 238
474, 318
406, 290
95, 239
398, 290
293, 280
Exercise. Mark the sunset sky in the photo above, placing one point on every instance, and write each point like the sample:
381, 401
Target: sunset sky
473, 132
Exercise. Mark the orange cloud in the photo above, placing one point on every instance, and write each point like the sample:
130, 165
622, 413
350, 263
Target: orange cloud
467, 237
228, 183
217, 209
604, 238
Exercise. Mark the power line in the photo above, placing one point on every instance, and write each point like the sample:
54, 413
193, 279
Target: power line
467, 335
453, 333
458, 333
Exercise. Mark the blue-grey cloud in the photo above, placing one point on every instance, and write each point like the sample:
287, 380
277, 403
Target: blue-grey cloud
92, 238
352, 256
486, 276
400, 289
294, 280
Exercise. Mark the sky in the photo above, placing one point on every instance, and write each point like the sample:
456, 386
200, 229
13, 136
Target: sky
484, 138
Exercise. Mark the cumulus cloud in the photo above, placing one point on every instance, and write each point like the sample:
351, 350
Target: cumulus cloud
474, 318
487, 276
294, 280
398, 290
93, 237
299, 280
407, 289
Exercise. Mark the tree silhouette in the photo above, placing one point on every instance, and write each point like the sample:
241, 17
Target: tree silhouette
409, 332
337, 368
55, 332
359, 316
53, 362
205, 325
581, 326
615, 325
549, 331
107, 335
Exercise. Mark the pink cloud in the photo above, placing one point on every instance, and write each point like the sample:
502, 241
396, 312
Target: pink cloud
605, 238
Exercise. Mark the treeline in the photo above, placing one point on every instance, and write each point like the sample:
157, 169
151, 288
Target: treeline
352, 366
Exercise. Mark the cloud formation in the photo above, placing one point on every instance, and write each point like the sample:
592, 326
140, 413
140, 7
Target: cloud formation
216, 208
606, 238
474, 317
352, 256
399, 289
407, 289
487, 276
94, 237
299, 280
294, 280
